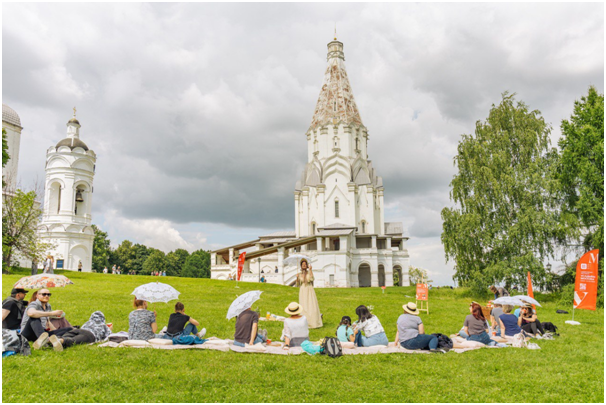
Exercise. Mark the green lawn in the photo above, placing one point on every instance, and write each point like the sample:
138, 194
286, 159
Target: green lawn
569, 369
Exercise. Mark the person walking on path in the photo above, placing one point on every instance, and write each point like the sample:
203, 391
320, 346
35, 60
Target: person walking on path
80, 265
307, 296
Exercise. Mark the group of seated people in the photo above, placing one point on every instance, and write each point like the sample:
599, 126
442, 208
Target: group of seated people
39, 323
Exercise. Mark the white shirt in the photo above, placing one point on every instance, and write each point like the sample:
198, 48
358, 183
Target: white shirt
371, 326
296, 328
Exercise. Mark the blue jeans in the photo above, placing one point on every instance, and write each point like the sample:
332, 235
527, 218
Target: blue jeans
258, 339
482, 338
422, 342
190, 329
374, 340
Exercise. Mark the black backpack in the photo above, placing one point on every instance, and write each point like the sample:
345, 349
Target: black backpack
549, 327
332, 347
444, 342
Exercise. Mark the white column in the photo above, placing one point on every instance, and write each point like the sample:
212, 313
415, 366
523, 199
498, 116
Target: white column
281, 263
374, 242
343, 243
322, 206
374, 274
319, 244
297, 213
388, 243
381, 213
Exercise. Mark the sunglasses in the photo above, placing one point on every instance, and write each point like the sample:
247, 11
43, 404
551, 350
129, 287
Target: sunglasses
45, 294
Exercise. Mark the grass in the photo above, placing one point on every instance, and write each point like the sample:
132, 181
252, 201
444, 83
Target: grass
569, 369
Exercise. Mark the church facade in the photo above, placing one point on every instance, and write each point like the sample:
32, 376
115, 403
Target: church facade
339, 205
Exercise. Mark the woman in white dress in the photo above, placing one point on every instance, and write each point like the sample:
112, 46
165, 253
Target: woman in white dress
307, 296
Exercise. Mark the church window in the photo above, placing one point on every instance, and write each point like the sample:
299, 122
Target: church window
363, 226
313, 228
336, 208
357, 144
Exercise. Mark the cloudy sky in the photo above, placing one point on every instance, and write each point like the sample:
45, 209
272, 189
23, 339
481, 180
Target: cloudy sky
198, 112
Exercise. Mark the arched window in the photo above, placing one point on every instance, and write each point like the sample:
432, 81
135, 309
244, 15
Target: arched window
363, 226
313, 228
336, 208
357, 144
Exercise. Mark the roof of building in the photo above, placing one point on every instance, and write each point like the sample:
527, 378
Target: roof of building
337, 226
334, 232
336, 98
10, 116
72, 143
280, 234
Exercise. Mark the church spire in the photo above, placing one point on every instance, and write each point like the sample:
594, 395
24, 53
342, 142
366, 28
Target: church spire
336, 99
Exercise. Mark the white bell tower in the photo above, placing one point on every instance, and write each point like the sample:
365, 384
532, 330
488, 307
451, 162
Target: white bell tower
68, 191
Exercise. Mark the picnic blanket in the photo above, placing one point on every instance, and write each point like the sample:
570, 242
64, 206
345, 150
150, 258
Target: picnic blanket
226, 345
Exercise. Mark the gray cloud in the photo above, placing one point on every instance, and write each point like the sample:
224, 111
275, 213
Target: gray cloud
198, 112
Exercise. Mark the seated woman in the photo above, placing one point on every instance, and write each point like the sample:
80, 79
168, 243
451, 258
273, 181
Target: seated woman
463, 332
509, 322
529, 322
296, 329
344, 331
372, 328
476, 327
411, 331
141, 322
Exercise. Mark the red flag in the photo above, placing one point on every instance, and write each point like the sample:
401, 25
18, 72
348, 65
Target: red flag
241, 264
530, 292
586, 282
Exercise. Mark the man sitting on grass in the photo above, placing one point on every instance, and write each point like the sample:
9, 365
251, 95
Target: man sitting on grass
13, 308
247, 325
176, 324
37, 327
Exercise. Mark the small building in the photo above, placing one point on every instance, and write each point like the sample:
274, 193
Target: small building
339, 205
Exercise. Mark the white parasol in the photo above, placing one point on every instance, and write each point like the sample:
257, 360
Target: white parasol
509, 301
294, 260
527, 299
156, 292
243, 302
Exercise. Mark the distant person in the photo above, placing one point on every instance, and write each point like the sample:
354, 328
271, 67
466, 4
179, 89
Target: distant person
411, 331
178, 324
499, 292
374, 334
262, 279
276, 269
495, 315
114, 269
247, 329
36, 326
13, 308
164, 273
296, 329
34, 267
105, 270
141, 322
344, 331
509, 322
79, 266
119, 270
475, 326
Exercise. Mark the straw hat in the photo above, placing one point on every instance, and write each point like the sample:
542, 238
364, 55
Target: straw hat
411, 308
293, 309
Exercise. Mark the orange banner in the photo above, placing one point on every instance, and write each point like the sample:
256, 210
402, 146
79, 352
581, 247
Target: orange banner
586, 282
241, 264
422, 292
530, 292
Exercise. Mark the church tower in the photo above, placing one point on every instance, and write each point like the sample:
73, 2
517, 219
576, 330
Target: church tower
11, 123
66, 221
339, 187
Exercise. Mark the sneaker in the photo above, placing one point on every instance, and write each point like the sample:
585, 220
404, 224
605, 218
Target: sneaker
41, 341
437, 350
164, 329
57, 346
263, 333
202, 333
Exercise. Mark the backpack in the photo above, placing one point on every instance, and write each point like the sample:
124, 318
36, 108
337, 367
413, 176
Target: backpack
519, 340
332, 347
549, 327
444, 342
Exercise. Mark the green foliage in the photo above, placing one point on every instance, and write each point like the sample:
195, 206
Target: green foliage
416, 274
5, 155
197, 265
20, 216
101, 250
581, 173
124, 255
142, 252
155, 261
568, 369
506, 219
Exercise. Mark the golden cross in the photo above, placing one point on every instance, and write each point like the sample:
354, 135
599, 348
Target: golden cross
74, 112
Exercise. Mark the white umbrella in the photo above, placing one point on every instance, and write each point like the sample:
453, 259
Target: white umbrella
527, 299
294, 260
242, 303
156, 292
509, 301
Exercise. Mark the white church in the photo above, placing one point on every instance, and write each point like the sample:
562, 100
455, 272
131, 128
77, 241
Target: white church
339, 206
68, 187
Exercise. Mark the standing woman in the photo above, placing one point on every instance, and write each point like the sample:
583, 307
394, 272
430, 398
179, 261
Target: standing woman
307, 296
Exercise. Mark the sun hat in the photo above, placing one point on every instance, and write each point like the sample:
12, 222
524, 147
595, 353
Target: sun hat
293, 309
411, 308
